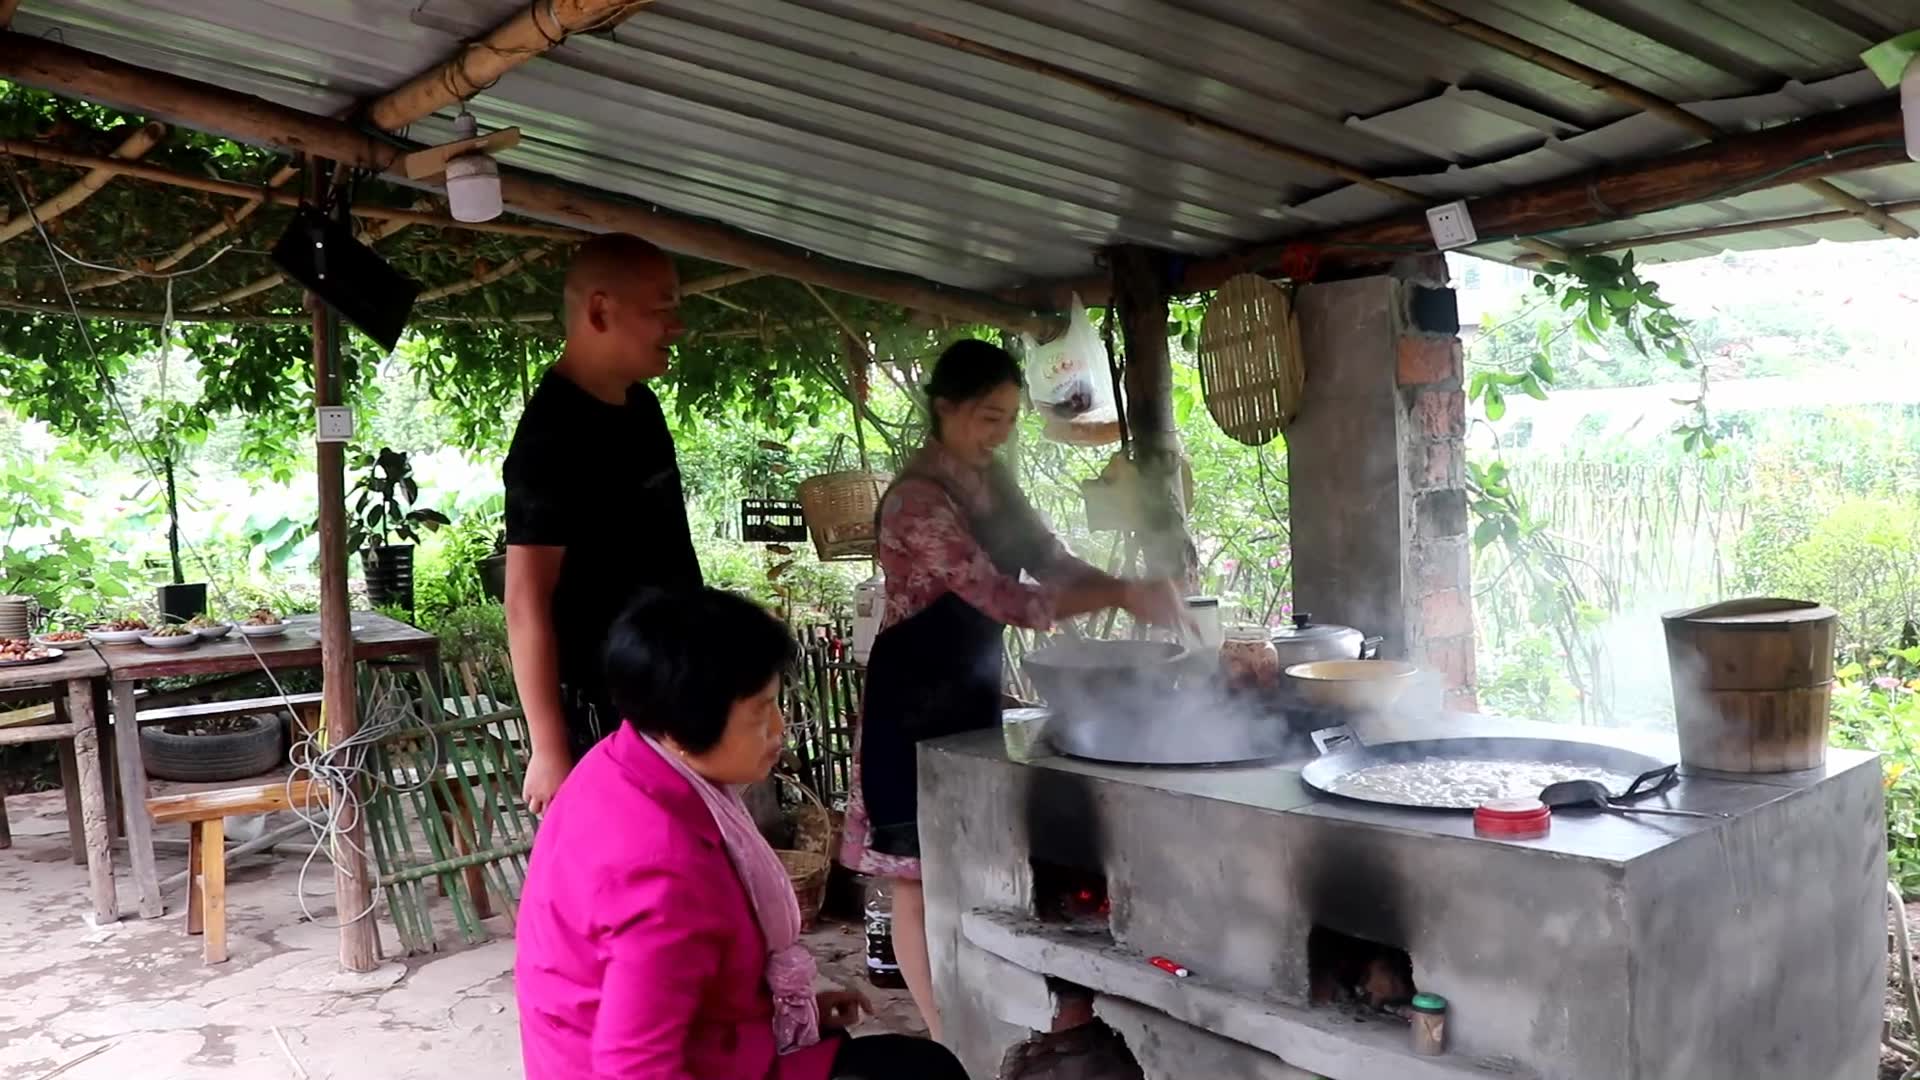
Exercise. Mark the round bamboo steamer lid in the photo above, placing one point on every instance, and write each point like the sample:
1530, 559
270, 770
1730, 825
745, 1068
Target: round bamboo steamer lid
1752, 684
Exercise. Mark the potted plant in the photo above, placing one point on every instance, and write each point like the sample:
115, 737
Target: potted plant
384, 526
179, 599
493, 569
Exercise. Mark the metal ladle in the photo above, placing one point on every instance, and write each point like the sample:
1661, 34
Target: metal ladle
1593, 795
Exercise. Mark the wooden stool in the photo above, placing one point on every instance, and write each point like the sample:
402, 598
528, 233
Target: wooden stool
205, 813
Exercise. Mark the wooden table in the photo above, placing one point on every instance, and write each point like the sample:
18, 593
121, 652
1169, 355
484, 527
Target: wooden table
378, 638
85, 790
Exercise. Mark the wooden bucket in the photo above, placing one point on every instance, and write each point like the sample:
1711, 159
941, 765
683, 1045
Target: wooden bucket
1752, 684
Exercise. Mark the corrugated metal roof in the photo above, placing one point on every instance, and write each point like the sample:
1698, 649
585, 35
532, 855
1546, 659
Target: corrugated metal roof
821, 123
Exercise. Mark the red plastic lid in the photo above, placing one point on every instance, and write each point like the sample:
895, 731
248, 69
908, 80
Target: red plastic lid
1513, 818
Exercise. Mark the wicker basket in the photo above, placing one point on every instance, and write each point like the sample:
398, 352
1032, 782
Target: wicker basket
1251, 371
808, 872
840, 508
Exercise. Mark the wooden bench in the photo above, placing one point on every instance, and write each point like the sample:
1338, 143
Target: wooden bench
206, 812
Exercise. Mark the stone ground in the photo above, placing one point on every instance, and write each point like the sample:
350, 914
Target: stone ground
134, 1000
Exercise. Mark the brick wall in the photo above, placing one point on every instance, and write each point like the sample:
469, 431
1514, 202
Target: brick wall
1439, 585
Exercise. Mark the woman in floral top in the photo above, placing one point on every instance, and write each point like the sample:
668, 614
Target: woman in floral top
955, 537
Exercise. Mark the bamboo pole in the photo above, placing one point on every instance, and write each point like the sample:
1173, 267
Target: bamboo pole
249, 192
144, 138
505, 269
1626, 92
229, 220
1712, 232
371, 235
1842, 141
61, 68
479, 64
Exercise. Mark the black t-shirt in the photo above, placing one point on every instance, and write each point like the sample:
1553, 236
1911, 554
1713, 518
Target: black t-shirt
601, 481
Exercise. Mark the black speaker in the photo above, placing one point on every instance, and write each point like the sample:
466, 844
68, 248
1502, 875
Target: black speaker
323, 255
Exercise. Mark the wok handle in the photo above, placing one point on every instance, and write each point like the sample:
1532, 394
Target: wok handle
1334, 739
1370, 647
1648, 782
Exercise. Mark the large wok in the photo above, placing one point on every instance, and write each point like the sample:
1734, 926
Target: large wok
1324, 773
1146, 703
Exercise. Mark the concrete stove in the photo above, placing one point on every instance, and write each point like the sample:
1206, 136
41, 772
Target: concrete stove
1617, 948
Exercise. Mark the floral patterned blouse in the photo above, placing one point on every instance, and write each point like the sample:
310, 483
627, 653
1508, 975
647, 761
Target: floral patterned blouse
927, 549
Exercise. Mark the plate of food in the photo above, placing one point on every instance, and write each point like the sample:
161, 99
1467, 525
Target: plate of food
119, 631
263, 622
353, 631
208, 630
61, 639
17, 652
169, 637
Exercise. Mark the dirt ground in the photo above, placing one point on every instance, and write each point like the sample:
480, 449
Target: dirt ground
134, 1000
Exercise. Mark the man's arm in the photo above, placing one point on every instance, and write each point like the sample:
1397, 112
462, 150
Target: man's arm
532, 574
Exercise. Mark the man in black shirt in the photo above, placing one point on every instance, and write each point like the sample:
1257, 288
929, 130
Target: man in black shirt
595, 511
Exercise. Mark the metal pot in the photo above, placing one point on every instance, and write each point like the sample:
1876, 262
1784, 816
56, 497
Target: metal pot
1307, 642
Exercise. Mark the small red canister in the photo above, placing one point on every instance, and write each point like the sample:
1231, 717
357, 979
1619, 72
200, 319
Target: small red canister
1513, 819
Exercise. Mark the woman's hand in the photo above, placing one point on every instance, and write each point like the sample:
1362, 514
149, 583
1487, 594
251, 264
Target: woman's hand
1156, 603
841, 1009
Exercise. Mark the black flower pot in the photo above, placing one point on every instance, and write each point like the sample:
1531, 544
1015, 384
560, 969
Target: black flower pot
178, 603
389, 570
493, 577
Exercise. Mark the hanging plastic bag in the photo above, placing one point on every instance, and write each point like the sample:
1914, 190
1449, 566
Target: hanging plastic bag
1068, 376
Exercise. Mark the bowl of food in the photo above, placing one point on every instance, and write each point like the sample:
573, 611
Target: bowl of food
17, 652
169, 637
61, 639
124, 631
207, 630
262, 623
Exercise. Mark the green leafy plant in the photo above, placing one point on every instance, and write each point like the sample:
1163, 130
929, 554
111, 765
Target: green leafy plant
383, 512
1876, 707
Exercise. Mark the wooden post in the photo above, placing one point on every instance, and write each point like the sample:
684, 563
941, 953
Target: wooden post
352, 886
1140, 295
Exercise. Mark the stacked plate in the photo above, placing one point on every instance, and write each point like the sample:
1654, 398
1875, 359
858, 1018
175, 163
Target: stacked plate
15, 616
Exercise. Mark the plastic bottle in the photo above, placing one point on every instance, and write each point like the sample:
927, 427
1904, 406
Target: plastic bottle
883, 970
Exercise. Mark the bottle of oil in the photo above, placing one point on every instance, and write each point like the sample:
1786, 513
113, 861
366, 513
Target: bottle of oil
883, 970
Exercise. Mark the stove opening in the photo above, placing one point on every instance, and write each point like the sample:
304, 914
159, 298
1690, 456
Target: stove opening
1070, 896
1357, 973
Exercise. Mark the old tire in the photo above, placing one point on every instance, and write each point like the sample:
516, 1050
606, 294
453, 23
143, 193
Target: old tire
224, 755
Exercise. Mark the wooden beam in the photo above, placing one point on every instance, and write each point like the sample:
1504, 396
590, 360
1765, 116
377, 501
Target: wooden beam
1687, 236
229, 220
1623, 91
61, 68
144, 138
480, 63
505, 269
250, 192
41, 307
1845, 140
716, 282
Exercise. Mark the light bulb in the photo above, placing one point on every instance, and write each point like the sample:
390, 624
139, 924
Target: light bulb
473, 188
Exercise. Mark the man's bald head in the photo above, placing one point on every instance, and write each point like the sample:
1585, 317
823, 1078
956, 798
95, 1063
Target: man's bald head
622, 298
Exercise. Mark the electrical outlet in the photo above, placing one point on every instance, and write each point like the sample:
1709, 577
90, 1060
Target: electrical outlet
335, 424
1452, 226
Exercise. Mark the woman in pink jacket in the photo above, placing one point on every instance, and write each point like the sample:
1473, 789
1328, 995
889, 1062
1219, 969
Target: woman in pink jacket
659, 938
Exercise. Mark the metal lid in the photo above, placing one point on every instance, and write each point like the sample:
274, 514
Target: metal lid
1203, 601
1305, 629
1429, 1003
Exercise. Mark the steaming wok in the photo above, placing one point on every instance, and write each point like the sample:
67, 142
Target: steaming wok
1324, 774
1145, 703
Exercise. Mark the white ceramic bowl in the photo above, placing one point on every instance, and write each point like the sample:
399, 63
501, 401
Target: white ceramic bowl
1353, 684
176, 641
116, 637
214, 632
270, 630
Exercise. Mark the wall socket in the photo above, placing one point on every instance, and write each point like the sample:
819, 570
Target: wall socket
334, 424
1452, 226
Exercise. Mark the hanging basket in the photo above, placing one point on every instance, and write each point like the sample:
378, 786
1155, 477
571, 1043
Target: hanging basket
1251, 370
840, 508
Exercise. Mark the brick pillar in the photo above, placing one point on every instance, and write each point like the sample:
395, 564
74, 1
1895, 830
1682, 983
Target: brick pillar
1377, 468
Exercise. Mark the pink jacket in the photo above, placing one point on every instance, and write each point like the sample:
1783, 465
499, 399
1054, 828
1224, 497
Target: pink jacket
639, 958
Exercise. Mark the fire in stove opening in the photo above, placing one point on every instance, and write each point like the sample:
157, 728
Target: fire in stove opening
1070, 895
1351, 971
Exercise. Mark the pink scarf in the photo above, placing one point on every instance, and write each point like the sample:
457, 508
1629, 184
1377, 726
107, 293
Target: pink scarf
790, 967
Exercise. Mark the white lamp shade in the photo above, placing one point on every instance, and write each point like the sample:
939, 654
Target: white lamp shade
473, 188
1910, 106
